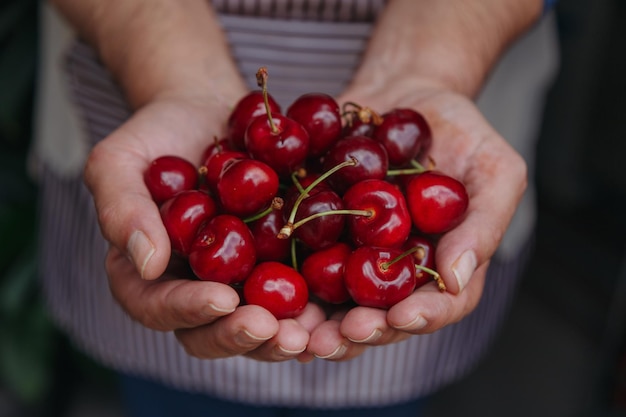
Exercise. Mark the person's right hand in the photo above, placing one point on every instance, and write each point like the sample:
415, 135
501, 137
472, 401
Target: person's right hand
205, 316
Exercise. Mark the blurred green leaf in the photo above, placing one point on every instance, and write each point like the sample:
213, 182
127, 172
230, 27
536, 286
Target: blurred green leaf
27, 347
17, 230
19, 287
28, 339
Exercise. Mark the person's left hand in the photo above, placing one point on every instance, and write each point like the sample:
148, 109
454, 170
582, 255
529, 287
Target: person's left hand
466, 147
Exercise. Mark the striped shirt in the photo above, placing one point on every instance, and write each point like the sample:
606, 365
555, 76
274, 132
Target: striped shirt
320, 41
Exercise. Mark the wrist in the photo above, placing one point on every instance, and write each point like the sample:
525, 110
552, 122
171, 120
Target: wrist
454, 44
157, 48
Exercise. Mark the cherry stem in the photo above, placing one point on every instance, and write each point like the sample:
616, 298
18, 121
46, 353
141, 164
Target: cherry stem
417, 168
385, 266
217, 144
300, 173
440, 284
417, 165
277, 204
351, 104
202, 171
288, 228
294, 255
261, 80
364, 114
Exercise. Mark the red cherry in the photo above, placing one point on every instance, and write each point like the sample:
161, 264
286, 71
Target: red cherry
216, 146
323, 271
403, 133
168, 175
246, 187
278, 288
379, 277
319, 114
371, 157
223, 250
423, 256
320, 232
436, 201
360, 121
280, 142
215, 164
265, 231
183, 214
358, 127
389, 222
277, 140
249, 106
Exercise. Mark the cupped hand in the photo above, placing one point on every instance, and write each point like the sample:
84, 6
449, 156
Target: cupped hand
466, 147
206, 317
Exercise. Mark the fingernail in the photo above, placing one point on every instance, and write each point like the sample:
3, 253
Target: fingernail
336, 354
246, 339
289, 353
211, 309
463, 268
375, 335
140, 249
417, 323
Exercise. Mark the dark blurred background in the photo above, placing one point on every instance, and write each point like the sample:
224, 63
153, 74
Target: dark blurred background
562, 351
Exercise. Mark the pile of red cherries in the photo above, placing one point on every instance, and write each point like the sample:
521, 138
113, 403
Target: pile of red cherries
318, 203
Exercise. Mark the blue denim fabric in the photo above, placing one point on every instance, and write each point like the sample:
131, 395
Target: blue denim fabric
144, 398
548, 5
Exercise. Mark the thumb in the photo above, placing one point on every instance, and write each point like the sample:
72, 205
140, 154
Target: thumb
494, 194
129, 219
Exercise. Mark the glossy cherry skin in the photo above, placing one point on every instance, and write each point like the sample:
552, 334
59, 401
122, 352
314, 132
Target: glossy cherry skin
371, 161
372, 284
323, 231
285, 150
223, 250
265, 231
319, 114
215, 164
423, 256
357, 127
323, 271
437, 202
246, 187
390, 222
217, 146
278, 288
404, 133
247, 108
168, 175
183, 214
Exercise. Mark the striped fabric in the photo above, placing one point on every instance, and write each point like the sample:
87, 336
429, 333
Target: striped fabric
310, 10
73, 250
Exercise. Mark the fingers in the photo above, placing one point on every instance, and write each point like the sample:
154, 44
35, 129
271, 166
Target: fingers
328, 343
425, 311
428, 309
128, 217
240, 332
252, 331
495, 177
167, 303
495, 182
206, 318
